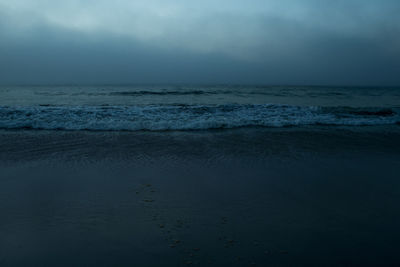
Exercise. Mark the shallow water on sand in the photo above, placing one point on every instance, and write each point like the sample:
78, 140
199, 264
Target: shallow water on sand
247, 197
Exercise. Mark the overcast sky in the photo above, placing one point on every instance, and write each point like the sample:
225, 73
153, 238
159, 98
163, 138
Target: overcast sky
341, 42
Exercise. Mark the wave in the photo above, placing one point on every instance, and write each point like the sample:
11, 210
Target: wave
253, 91
192, 92
142, 93
175, 92
189, 117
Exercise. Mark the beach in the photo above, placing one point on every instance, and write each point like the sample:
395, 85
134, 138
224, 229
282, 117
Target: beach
298, 196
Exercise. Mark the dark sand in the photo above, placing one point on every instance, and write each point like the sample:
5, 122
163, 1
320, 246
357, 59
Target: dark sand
246, 197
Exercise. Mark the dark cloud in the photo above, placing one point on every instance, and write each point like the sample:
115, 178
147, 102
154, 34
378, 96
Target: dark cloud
295, 42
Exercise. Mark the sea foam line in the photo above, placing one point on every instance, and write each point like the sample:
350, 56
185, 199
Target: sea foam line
188, 117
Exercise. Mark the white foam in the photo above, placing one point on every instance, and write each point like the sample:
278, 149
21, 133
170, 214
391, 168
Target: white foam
175, 117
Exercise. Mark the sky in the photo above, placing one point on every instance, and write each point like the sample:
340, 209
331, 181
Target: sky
285, 42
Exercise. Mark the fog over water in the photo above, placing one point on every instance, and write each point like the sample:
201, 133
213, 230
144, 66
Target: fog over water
352, 42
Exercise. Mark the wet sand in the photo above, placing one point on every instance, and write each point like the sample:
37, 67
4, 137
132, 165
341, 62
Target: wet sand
249, 197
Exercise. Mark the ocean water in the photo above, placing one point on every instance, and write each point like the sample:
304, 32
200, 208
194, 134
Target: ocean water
172, 107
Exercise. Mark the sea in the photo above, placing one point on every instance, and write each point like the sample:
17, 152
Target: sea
194, 107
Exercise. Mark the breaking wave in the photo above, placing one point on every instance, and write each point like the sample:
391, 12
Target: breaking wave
188, 117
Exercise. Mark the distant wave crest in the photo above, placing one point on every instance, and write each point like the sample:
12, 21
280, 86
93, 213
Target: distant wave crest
188, 117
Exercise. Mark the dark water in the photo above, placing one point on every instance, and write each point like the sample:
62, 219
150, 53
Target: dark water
158, 108
199, 95
221, 176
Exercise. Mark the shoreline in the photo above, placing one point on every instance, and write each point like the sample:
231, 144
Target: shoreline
261, 143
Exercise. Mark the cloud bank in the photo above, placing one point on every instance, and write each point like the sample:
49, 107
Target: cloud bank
226, 41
